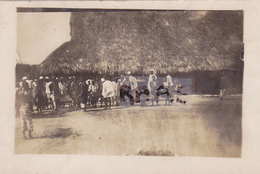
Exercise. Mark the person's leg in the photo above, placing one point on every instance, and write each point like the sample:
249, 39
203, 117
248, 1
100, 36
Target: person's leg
29, 121
168, 98
221, 94
110, 100
105, 101
22, 119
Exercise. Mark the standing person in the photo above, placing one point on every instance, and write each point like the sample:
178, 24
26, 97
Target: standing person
121, 82
132, 82
74, 92
34, 92
165, 89
151, 75
89, 84
152, 87
62, 87
170, 86
117, 91
93, 88
68, 86
25, 96
55, 93
107, 91
83, 94
48, 92
40, 95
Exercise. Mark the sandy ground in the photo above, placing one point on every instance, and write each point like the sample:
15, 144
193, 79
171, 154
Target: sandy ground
204, 126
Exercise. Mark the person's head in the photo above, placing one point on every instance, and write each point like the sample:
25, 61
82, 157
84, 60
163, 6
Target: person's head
24, 78
47, 79
128, 73
102, 80
40, 78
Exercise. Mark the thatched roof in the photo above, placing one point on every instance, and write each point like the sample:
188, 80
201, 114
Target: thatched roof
174, 41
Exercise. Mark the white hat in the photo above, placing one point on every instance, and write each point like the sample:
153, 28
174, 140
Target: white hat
129, 72
40, 77
46, 77
102, 80
24, 78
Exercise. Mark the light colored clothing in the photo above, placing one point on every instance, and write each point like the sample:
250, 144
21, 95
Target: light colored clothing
150, 77
48, 90
149, 81
108, 89
131, 81
62, 88
93, 88
29, 83
169, 80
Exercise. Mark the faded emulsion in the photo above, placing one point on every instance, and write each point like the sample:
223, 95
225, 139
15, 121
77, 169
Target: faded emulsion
131, 82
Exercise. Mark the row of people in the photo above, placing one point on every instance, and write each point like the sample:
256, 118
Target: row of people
47, 93
52, 93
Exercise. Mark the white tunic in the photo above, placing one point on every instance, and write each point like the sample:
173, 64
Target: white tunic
169, 80
108, 89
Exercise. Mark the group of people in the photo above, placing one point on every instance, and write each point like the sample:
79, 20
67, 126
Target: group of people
151, 90
53, 93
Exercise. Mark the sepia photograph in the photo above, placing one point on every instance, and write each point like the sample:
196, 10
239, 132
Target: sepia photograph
129, 82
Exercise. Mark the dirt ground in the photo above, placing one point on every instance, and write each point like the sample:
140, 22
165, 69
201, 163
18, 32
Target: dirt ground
204, 127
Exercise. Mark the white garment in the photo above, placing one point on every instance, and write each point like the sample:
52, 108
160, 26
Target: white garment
29, 83
169, 80
108, 89
149, 81
48, 90
92, 88
62, 87
132, 82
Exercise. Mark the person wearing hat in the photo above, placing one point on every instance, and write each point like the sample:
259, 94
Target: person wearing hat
107, 91
25, 96
170, 86
152, 87
40, 95
55, 93
131, 81
62, 87
48, 90
151, 76
74, 93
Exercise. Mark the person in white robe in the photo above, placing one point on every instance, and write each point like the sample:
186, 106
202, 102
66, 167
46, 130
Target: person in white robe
107, 91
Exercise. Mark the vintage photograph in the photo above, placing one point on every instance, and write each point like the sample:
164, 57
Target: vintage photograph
129, 82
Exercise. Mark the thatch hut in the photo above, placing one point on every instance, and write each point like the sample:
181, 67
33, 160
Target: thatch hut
173, 41
116, 41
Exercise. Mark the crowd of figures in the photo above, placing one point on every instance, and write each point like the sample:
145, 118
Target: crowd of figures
54, 93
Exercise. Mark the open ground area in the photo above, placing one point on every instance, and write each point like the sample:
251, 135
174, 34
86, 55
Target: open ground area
204, 126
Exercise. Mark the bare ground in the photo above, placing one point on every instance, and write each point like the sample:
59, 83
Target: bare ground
205, 126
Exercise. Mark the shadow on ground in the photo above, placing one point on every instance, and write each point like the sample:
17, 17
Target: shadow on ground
59, 133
